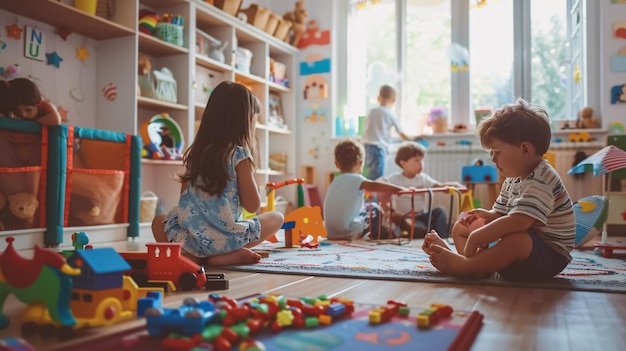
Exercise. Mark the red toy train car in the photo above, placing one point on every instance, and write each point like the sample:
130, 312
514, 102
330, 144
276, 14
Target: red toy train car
165, 262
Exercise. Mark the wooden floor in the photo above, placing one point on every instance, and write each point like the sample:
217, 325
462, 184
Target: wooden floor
514, 318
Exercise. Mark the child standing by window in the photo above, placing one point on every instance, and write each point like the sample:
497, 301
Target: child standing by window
531, 222
410, 157
218, 183
345, 215
21, 99
377, 133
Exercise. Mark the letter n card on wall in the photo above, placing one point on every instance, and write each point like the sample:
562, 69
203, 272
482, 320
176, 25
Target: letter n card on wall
34, 44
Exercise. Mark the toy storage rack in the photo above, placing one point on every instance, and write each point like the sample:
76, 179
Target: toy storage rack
57, 166
45, 183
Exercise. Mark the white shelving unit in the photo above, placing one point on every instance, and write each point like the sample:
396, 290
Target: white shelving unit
119, 43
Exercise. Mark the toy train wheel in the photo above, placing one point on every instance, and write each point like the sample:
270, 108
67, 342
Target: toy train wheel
187, 281
29, 329
109, 311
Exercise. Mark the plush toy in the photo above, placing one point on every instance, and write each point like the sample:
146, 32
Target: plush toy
587, 119
19, 212
298, 18
23, 205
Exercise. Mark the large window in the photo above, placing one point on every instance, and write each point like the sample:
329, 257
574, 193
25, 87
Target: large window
464, 56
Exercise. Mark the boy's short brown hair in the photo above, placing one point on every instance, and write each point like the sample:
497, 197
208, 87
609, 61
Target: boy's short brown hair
387, 92
516, 123
409, 150
348, 153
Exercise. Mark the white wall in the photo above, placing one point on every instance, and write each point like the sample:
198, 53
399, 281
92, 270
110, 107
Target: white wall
62, 85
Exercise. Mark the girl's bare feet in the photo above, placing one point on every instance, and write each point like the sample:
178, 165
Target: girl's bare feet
241, 256
431, 239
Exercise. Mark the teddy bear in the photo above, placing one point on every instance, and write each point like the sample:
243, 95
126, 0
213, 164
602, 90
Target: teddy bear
298, 18
17, 210
587, 119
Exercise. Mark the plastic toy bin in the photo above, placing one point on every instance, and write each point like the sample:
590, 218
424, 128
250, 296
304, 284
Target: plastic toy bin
101, 178
22, 174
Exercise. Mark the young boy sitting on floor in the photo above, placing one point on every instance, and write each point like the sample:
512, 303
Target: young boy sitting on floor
345, 215
531, 222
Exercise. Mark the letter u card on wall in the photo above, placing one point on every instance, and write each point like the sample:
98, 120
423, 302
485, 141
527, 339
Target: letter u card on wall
34, 44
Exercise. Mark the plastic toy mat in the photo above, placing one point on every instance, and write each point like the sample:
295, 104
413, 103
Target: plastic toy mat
368, 260
351, 333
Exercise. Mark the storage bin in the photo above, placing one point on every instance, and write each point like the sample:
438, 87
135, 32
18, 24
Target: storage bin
272, 24
228, 6
147, 208
95, 197
23, 174
256, 15
159, 84
282, 29
243, 59
169, 32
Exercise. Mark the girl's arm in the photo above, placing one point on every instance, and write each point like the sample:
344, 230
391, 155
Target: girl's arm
48, 114
248, 191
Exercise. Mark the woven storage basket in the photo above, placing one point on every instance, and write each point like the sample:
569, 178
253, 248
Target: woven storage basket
169, 32
148, 204
159, 85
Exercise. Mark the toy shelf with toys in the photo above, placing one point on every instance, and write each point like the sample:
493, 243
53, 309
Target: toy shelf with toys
163, 58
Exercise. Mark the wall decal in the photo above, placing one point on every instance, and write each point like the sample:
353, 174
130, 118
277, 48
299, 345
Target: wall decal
618, 94
34, 44
82, 53
315, 87
314, 64
54, 59
619, 30
14, 31
314, 36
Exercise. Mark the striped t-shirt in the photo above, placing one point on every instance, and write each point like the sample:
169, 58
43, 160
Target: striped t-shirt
543, 197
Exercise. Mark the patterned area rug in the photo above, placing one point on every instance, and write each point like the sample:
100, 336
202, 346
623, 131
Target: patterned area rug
367, 260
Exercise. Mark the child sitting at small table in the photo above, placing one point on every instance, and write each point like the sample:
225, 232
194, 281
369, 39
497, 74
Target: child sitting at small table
345, 215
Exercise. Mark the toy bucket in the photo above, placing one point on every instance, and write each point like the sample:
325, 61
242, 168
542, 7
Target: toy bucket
88, 6
148, 204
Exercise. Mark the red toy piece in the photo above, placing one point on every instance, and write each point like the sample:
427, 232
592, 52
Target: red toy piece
164, 261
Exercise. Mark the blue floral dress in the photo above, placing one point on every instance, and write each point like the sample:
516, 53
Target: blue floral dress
212, 225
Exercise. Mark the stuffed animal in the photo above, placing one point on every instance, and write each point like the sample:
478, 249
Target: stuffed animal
20, 211
23, 205
298, 18
587, 119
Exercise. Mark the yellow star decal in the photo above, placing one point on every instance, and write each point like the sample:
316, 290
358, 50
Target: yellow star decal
82, 53
14, 31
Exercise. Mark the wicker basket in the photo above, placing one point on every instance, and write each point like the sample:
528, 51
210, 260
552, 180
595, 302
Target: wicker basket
159, 85
148, 204
229, 6
169, 32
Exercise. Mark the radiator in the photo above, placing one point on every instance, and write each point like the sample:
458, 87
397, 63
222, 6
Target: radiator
444, 163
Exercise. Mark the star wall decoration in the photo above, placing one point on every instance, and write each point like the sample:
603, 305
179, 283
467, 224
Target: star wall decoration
54, 59
14, 31
82, 53
63, 112
63, 33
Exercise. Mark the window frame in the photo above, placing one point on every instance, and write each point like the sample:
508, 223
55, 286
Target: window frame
460, 81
